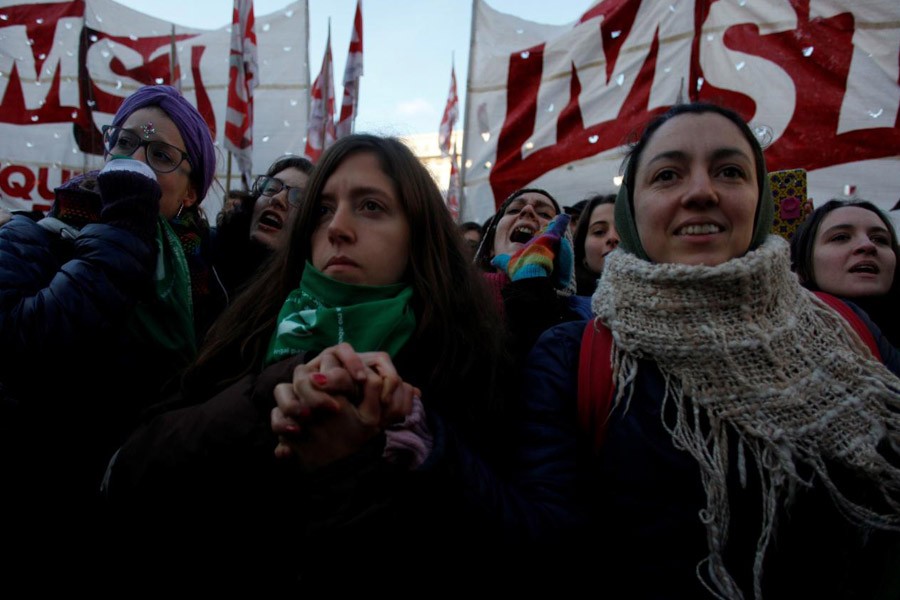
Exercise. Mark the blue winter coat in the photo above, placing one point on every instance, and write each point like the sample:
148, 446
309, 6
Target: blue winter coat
73, 378
634, 507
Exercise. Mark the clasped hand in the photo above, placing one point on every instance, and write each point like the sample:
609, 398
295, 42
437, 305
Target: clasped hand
336, 403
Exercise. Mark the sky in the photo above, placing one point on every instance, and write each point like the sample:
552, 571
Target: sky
409, 47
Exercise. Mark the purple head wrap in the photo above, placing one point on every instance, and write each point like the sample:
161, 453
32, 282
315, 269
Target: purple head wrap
193, 129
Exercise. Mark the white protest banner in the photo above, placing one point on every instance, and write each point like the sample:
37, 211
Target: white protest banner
66, 66
554, 106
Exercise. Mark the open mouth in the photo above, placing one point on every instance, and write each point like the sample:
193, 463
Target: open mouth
866, 267
270, 219
522, 234
699, 229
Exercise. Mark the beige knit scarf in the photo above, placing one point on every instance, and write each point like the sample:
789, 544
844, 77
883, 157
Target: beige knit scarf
762, 361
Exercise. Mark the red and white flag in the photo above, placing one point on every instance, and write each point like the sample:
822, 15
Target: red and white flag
454, 191
352, 72
243, 76
320, 134
451, 114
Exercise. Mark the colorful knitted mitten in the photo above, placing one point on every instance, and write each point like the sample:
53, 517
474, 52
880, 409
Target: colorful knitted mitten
548, 253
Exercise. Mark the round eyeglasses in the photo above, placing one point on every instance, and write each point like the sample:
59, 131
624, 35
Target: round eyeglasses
161, 157
271, 186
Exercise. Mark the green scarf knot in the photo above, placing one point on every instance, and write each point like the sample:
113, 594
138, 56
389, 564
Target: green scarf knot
323, 312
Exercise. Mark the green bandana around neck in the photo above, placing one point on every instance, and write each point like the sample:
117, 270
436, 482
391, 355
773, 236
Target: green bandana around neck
166, 321
323, 312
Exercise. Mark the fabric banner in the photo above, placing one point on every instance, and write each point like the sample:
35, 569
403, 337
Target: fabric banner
66, 66
320, 132
451, 114
352, 73
243, 76
453, 189
554, 106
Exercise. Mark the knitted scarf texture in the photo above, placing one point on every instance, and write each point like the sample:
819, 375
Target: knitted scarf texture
752, 359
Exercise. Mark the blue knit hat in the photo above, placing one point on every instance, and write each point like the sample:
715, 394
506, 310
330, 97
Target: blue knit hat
193, 129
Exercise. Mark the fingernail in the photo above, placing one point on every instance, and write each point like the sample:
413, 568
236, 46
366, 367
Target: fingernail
319, 379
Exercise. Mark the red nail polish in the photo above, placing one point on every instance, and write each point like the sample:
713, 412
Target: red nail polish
318, 379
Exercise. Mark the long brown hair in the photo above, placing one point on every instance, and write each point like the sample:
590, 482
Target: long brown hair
455, 321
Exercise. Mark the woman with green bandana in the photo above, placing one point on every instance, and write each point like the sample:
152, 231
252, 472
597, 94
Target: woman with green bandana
297, 448
747, 446
101, 305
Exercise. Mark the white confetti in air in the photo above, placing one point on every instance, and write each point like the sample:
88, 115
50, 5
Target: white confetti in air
74, 116
710, 37
808, 51
91, 103
876, 114
615, 34
267, 26
620, 79
42, 56
740, 65
287, 48
104, 53
594, 139
550, 108
293, 103
286, 123
265, 138
700, 83
94, 38
39, 21
4, 18
525, 54
118, 84
133, 37
520, 31
159, 80
764, 135
29, 145
34, 118
488, 165
68, 26
289, 14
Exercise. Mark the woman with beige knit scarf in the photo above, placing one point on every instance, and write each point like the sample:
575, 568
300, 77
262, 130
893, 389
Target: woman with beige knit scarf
751, 448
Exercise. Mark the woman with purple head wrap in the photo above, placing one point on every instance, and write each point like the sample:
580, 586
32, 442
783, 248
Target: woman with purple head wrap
102, 301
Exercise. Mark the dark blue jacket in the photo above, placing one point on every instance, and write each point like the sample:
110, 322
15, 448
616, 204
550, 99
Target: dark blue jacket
71, 374
641, 499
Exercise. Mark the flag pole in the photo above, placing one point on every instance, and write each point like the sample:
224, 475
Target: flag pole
228, 174
462, 170
172, 57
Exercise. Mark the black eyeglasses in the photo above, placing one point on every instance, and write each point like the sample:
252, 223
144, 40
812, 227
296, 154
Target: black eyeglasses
270, 186
161, 157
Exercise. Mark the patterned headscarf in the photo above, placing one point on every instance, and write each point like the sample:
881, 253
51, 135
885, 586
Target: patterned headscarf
630, 241
193, 129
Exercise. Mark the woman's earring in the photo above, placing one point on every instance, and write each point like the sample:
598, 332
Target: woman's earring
180, 208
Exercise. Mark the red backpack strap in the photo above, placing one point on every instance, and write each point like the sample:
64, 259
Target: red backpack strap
851, 317
595, 380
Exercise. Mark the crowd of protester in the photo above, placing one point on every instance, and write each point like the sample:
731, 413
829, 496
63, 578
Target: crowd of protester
338, 389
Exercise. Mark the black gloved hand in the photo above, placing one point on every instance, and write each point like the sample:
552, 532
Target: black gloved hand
130, 197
